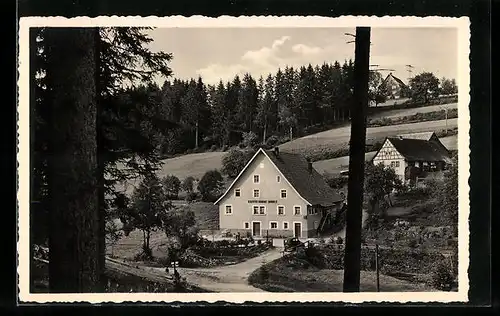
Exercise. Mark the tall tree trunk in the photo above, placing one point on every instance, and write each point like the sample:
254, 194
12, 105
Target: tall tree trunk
352, 256
264, 137
196, 135
74, 209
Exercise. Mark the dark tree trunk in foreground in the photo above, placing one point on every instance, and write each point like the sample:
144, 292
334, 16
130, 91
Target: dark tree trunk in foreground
74, 217
352, 255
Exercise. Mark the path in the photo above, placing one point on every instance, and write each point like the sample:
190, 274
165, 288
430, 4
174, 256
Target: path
231, 278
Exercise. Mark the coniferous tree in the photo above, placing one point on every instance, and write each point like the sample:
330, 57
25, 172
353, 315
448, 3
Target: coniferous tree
72, 98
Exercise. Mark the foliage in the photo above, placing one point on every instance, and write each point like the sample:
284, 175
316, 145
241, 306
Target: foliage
249, 139
113, 234
235, 160
424, 87
148, 208
442, 276
181, 224
380, 182
171, 186
188, 184
211, 185
336, 182
418, 117
377, 93
448, 86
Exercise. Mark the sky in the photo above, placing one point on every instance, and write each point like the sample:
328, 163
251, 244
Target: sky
221, 53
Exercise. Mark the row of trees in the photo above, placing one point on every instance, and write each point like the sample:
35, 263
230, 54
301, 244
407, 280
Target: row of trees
282, 104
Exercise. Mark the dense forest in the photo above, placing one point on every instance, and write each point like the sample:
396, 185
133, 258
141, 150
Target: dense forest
283, 104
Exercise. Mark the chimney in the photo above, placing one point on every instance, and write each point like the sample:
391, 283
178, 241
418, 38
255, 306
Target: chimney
277, 151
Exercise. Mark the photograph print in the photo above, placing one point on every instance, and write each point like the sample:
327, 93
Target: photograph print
207, 159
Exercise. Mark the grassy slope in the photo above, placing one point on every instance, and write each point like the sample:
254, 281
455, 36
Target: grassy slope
127, 247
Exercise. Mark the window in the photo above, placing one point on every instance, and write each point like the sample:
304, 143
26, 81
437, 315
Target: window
283, 194
229, 209
262, 210
259, 210
256, 178
247, 225
256, 193
312, 211
296, 210
256, 210
285, 225
237, 192
393, 164
397, 163
273, 225
281, 210
278, 179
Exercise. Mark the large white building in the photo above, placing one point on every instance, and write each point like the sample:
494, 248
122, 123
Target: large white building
278, 195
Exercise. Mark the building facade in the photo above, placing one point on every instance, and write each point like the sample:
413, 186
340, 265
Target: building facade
277, 195
413, 156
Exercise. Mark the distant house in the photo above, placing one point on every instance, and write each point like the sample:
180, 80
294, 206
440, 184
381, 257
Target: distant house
394, 86
413, 156
278, 195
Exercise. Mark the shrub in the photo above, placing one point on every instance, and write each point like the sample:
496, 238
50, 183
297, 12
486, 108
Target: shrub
442, 276
171, 186
188, 184
273, 140
213, 148
249, 139
191, 196
210, 185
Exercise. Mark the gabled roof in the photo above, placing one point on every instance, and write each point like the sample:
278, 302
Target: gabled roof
420, 150
310, 186
399, 81
421, 135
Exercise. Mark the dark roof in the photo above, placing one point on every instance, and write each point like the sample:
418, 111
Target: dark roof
310, 185
418, 149
399, 81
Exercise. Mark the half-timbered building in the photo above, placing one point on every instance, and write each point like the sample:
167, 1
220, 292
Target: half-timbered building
413, 156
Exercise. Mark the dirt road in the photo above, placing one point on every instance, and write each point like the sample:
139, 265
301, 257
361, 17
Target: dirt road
231, 278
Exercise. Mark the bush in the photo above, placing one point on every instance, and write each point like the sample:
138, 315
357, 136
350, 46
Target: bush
273, 140
442, 276
213, 148
249, 139
211, 185
171, 186
191, 196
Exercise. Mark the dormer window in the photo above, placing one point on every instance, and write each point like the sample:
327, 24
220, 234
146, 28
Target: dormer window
256, 178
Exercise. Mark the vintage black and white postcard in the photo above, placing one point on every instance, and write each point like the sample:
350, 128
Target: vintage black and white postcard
243, 159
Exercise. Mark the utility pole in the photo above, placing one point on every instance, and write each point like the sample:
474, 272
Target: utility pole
352, 254
377, 268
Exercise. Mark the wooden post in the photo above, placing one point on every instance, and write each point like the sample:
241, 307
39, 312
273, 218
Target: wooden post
377, 268
352, 253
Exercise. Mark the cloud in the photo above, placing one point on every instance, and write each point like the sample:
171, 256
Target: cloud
306, 50
267, 59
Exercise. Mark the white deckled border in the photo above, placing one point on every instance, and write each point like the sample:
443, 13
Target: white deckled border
462, 25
